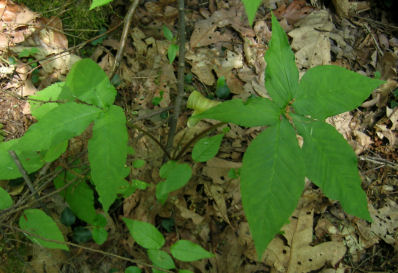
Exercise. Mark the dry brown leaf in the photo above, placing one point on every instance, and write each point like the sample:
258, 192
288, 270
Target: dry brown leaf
299, 255
217, 169
311, 40
385, 222
346, 8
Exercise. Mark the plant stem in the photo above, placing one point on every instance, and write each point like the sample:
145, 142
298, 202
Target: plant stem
180, 83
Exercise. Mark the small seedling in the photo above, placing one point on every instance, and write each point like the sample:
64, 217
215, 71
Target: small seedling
173, 47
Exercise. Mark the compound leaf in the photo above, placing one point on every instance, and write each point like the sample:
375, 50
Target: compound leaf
253, 112
107, 153
281, 74
161, 259
272, 179
5, 199
176, 175
145, 234
38, 223
329, 90
251, 7
188, 251
332, 165
89, 83
206, 148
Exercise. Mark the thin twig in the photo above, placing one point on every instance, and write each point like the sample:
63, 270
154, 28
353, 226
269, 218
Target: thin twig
25, 176
379, 161
86, 248
151, 137
180, 83
149, 115
126, 29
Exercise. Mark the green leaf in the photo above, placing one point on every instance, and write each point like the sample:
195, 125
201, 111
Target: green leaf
184, 271
167, 33
55, 151
281, 74
329, 90
58, 125
207, 148
332, 165
251, 7
38, 223
161, 259
253, 112
50, 93
222, 90
176, 175
132, 269
98, 3
67, 217
89, 83
81, 235
272, 180
188, 251
79, 196
107, 154
145, 234
28, 52
99, 220
99, 235
5, 199
139, 163
172, 52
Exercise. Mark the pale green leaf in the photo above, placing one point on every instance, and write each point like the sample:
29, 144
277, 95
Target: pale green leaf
36, 222
58, 125
251, 7
176, 175
99, 235
272, 180
161, 259
330, 90
98, 3
188, 251
5, 199
89, 83
253, 112
332, 165
107, 154
172, 52
145, 234
206, 148
281, 74
50, 93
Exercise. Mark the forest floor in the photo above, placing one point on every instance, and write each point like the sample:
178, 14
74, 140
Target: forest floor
360, 36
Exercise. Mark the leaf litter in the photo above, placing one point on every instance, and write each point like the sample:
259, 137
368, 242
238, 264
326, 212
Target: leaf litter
208, 211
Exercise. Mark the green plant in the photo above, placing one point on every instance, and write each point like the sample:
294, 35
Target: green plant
149, 237
274, 165
173, 47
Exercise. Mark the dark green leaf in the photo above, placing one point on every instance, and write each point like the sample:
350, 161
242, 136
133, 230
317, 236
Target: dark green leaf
272, 180
330, 90
81, 235
281, 74
253, 112
332, 165
67, 217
